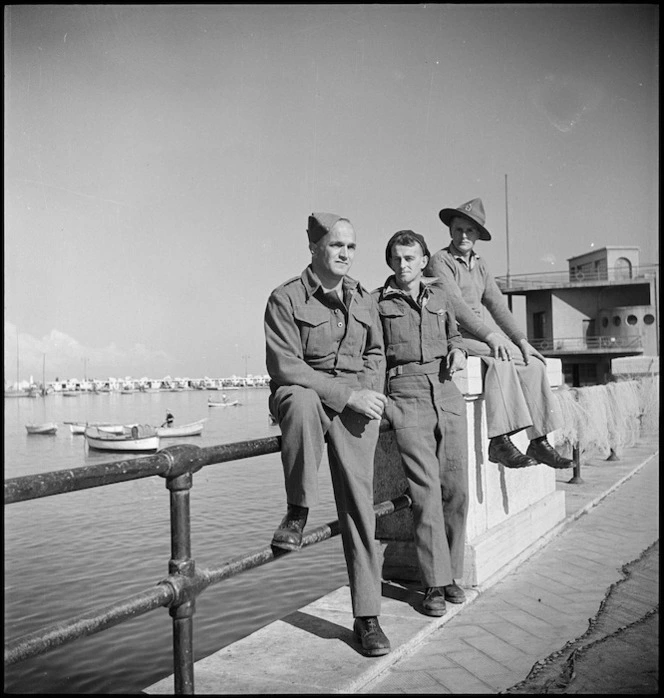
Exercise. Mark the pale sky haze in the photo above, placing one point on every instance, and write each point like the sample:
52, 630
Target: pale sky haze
161, 160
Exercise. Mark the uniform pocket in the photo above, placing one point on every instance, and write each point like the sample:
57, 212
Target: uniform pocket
438, 320
453, 426
396, 327
314, 324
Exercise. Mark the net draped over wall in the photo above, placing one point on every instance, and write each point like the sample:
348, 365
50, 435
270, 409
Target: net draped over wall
600, 419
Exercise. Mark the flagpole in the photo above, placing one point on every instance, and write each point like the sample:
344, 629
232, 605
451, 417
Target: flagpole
507, 241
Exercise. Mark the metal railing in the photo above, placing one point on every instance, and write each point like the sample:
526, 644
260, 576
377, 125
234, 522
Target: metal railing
564, 344
178, 591
555, 279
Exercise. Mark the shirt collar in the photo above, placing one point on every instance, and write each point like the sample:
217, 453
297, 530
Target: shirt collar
457, 255
312, 283
390, 288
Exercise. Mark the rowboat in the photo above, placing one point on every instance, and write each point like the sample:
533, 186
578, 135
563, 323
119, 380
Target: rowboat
214, 403
140, 437
115, 428
47, 428
79, 427
192, 429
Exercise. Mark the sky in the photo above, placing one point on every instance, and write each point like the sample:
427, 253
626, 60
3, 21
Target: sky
161, 161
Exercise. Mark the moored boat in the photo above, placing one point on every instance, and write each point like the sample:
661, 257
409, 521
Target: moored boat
191, 429
79, 427
20, 393
230, 403
47, 428
140, 437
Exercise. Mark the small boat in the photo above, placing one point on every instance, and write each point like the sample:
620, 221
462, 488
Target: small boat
230, 403
114, 428
192, 429
70, 393
47, 428
79, 427
20, 393
140, 437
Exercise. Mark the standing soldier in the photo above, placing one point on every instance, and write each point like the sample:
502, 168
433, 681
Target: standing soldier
427, 411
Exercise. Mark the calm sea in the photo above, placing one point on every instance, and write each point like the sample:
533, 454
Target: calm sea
74, 552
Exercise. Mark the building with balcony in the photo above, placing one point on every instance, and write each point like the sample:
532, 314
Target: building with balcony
604, 307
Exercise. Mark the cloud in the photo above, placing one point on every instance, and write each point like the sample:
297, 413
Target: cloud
65, 357
565, 99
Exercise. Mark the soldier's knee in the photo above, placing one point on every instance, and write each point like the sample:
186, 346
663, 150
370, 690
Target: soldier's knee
300, 401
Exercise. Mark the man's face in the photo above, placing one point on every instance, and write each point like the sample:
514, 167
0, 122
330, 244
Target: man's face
332, 255
464, 234
407, 262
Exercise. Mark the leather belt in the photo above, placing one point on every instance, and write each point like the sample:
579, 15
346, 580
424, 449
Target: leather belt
413, 369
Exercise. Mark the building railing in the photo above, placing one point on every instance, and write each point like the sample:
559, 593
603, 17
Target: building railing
555, 279
178, 591
565, 344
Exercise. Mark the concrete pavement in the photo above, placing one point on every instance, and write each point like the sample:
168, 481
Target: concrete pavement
561, 621
579, 616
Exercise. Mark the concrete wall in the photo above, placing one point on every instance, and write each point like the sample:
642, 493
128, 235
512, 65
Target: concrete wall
509, 510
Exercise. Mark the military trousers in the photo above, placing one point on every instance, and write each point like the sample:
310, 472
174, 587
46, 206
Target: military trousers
517, 395
428, 415
306, 426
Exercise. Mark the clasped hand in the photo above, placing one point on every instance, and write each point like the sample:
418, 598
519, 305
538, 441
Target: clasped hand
367, 402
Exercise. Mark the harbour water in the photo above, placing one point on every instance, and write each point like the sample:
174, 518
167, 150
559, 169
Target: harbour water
78, 551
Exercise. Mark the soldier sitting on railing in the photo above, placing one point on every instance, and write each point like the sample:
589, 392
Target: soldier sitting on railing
516, 388
326, 362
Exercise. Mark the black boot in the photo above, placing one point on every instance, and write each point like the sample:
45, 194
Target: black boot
543, 452
371, 636
433, 603
503, 451
289, 534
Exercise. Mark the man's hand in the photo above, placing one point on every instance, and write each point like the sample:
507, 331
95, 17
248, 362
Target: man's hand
528, 350
501, 347
456, 361
367, 402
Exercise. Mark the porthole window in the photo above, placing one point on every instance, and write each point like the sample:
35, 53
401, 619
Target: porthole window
631, 320
605, 322
616, 320
648, 319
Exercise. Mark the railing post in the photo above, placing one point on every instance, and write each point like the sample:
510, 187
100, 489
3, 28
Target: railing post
576, 457
182, 611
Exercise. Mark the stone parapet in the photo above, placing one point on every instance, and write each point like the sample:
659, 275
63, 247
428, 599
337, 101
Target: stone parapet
509, 510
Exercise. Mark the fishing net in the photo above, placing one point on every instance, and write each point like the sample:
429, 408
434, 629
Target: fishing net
648, 391
605, 419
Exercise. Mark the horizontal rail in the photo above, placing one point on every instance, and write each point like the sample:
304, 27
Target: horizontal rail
26, 487
166, 593
94, 621
587, 342
577, 277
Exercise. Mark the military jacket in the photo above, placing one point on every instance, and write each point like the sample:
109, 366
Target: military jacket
321, 343
413, 331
